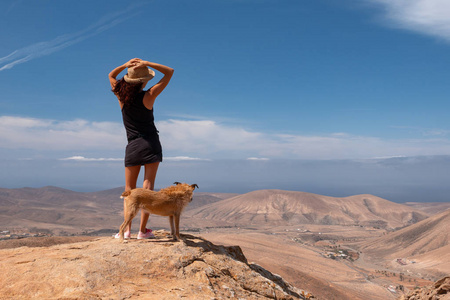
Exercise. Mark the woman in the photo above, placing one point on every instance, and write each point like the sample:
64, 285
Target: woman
144, 148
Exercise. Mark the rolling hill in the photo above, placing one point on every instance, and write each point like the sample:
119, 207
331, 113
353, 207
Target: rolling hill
423, 247
65, 211
430, 208
53, 208
277, 207
428, 235
202, 198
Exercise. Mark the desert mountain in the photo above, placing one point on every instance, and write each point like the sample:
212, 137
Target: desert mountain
201, 199
105, 198
104, 268
60, 210
430, 208
52, 207
420, 248
277, 207
429, 235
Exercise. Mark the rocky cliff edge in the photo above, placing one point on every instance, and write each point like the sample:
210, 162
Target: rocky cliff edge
104, 268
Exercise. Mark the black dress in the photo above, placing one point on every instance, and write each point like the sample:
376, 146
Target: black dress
143, 146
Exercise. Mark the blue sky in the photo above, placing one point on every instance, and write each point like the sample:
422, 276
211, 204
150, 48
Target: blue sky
329, 97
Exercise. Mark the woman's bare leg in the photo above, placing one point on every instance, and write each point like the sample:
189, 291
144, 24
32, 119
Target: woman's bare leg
131, 176
149, 183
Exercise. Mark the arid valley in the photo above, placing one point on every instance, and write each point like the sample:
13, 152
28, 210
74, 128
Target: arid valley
356, 247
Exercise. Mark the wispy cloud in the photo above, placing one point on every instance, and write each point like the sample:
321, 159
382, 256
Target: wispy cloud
428, 132
100, 159
44, 48
185, 140
430, 17
87, 159
12, 6
258, 158
185, 158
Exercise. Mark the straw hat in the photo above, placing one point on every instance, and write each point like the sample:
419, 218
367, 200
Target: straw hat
139, 75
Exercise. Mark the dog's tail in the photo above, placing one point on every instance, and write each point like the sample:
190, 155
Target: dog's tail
125, 194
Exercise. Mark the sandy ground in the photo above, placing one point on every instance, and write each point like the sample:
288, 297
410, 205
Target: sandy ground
298, 254
303, 266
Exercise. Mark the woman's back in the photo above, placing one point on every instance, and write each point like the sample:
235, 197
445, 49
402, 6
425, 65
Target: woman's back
137, 119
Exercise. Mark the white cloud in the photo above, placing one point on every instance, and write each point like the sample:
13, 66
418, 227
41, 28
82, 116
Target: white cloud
389, 157
185, 158
210, 139
200, 140
430, 17
82, 158
205, 137
258, 158
44, 134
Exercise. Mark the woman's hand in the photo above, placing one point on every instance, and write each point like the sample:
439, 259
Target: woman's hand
129, 64
141, 63
133, 63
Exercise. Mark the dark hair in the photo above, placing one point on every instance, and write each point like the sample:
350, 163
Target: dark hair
126, 91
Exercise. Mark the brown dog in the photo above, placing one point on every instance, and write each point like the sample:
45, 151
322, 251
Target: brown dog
169, 202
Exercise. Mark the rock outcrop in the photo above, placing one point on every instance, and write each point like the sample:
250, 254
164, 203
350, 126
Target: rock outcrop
104, 268
440, 290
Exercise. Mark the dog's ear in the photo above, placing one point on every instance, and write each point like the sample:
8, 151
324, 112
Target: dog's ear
194, 186
177, 183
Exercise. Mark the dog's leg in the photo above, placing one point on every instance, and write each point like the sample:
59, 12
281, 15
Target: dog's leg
122, 229
130, 212
172, 226
176, 237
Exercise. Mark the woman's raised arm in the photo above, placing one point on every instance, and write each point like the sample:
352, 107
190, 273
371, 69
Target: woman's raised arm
154, 91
